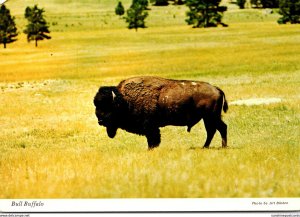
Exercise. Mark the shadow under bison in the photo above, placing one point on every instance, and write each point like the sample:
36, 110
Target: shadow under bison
142, 105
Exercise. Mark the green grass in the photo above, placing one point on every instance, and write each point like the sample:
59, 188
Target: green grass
52, 147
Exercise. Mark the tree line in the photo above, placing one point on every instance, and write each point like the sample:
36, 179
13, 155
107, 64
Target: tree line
202, 13
206, 13
36, 30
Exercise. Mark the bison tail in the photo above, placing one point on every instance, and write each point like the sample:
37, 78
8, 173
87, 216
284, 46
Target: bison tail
225, 103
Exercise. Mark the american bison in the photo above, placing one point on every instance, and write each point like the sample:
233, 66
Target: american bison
142, 105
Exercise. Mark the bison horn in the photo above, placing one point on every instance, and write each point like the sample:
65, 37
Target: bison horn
113, 95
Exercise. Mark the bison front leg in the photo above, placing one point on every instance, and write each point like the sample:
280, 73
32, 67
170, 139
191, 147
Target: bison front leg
153, 138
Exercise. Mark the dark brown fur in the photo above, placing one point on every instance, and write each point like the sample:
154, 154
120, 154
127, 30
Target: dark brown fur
142, 105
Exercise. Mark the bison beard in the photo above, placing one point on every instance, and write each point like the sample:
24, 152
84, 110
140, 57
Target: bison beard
142, 105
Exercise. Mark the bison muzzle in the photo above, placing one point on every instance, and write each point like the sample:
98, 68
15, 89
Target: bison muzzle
142, 105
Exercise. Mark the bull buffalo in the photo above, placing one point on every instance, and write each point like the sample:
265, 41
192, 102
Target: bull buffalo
142, 105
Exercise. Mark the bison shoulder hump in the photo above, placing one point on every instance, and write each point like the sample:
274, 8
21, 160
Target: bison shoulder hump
142, 94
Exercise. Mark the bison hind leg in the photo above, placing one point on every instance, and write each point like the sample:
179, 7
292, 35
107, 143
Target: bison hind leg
222, 128
211, 129
153, 138
211, 126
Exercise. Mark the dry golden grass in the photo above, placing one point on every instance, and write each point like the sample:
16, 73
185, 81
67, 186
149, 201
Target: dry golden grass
52, 147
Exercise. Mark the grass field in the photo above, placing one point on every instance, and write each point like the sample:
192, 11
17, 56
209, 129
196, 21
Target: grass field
52, 147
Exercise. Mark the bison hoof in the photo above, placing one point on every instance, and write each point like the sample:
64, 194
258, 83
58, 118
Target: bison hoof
151, 149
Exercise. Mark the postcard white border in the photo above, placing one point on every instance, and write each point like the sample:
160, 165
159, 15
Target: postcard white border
150, 205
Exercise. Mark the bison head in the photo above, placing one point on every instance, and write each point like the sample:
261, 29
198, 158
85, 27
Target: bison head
106, 113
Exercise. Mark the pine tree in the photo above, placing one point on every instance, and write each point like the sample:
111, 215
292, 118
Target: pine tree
290, 11
241, 3
161, 2
270, 3
205, 13
119, 10
178, 2
143, 3
8, 29
265, 3
136, 16
37, 27
255, 3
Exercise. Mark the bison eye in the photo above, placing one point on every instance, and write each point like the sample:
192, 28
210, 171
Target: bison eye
104, 109
97, 102
99, 114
